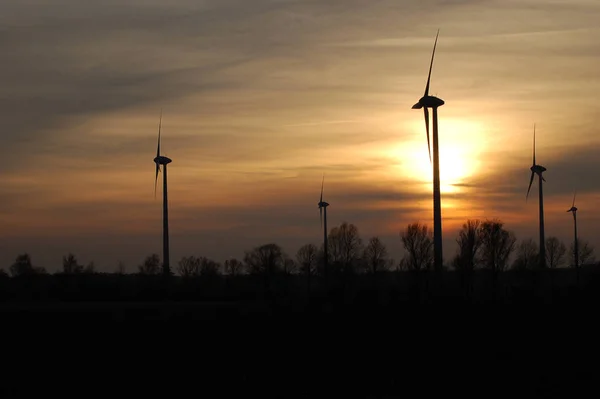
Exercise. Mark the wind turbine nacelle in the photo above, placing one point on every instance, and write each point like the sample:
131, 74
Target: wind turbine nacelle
537, 169
429, 102
162, 160
323, 204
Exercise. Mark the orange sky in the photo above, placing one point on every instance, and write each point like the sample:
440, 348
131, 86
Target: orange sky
260, 98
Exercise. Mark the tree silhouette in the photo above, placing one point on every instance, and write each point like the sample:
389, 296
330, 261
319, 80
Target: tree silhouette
289, 266
527, 255
209, 267
469, 244
320, 268
151, 265
233, 267
188, 266
22, 266
192, 266
375, 256
70, 265
264, 260
120, 268
90, 268
555, 252
345, 246
586, 251
418, 243
307, 257
497, 244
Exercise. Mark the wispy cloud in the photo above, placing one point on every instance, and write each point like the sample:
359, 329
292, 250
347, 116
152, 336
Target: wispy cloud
260, 98
321, 123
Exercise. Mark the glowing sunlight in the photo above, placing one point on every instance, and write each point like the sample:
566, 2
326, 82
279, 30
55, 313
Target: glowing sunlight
460, 144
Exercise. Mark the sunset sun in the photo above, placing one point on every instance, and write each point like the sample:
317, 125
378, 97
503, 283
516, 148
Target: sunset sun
460, 143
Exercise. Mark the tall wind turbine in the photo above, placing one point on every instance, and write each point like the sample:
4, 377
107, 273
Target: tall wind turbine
539, 169
323, 209
575, 244
164, 161
427, 102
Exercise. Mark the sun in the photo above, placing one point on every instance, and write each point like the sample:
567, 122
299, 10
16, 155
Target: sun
461, 142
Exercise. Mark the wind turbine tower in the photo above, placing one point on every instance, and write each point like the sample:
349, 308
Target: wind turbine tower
538, 170
575, 243
163, 161
323, 214
433, 102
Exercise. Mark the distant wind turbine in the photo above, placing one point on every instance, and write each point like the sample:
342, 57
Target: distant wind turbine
433, 102
323, 209
539, 169
164, 161
575, 244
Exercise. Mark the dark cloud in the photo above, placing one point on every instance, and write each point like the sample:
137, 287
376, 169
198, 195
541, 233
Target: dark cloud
575, 168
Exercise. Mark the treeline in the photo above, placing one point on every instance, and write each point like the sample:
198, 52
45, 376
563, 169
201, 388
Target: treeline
481, 245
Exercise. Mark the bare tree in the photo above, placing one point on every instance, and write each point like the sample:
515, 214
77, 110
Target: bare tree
151, 265
22, 266
233, 267
264, 260
320, 268
209, 267
307, 258
289, 266
497, 244
527, 255
90, 268
418, 243
555, 252
586, 251
375, 256
70, 265
345, 245
120, 268
188, 266
469, 243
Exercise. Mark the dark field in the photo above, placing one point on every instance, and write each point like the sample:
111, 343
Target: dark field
396, 334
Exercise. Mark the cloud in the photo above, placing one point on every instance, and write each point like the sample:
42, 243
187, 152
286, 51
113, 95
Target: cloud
260, 98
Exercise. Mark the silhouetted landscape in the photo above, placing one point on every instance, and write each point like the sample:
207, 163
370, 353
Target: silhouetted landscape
489, 305
261, 98
490, 265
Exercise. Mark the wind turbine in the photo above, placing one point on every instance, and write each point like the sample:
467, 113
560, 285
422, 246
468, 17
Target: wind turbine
323, 206
433, 102
164, 161
575, 244
539, 169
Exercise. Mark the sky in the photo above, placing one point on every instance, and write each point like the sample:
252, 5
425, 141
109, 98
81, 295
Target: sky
261, 98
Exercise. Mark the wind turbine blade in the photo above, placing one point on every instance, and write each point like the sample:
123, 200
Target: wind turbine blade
322, 182
574, 199
431, 65
426, 113
534, 144
159, 126
530, 182
156, 178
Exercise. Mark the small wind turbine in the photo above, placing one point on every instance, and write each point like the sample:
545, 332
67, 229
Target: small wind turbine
539, 169
164, 161
575, 244
433, 102
323, 209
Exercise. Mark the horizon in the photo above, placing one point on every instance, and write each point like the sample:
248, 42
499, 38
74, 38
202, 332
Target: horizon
259, 100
